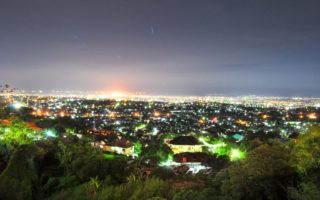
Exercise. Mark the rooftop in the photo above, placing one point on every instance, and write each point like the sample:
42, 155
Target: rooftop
184, 140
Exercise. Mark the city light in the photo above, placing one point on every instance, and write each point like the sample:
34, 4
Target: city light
157, 114
112, 115
242, 122
155, 131
62, 114
140, 126
312, 116
118, 94
50, 133
169, 162
216, 148
236, 154
214, 120
17, 105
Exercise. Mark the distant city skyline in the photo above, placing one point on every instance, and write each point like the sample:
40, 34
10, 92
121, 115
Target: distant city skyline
162, 47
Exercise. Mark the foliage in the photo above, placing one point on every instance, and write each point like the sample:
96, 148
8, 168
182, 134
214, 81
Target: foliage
70, 168
155, 153
192, 194
79, 192
18, 133
44, 168
6, 89
305, 155
4, 111
305, 159
137, 148
262, 175
19, 180
305, 191
74, 156
136, 189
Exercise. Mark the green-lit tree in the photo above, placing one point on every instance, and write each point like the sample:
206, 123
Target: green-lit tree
263, 174
14, 134
137, 148
155, 152
17, 133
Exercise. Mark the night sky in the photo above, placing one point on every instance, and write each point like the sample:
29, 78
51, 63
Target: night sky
170, 47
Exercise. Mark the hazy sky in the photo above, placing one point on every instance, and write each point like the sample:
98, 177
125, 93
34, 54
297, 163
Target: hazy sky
176, 47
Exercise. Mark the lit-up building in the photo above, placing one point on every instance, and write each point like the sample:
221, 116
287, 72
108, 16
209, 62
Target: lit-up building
123, 147
183, 144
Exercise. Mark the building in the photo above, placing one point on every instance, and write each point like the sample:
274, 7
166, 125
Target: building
100, 132
183, 144
123, 147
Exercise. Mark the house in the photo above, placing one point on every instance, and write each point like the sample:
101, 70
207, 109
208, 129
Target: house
238, 137
124, 147
191, 162
182, 144
191, 157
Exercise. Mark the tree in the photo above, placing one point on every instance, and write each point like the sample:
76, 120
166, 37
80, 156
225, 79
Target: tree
6, 89
152, 188
14, 134
193, 194
18, 133
20, 180
305, 191
137, 148
264, 174
75, 156
155, 152
305, 155
305, 159
80, 159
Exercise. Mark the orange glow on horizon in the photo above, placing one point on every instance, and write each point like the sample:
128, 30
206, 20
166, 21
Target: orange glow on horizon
116, 90
118, 94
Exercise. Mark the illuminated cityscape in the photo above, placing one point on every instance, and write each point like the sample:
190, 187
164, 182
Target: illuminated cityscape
159, 100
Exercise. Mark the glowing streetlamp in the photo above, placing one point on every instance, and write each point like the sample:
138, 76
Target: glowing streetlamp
156, 114
50, 133
17, 105
236, 154
136, 114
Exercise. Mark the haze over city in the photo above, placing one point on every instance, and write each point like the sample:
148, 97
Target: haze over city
162, 47
159, 100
